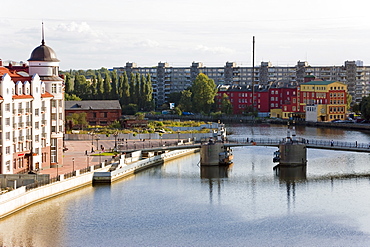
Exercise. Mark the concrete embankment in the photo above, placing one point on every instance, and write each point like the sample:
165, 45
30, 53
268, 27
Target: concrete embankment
123, 170
21, 198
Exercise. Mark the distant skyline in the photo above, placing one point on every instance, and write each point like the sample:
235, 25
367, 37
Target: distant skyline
94, 34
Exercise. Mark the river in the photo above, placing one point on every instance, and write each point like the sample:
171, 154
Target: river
247, 204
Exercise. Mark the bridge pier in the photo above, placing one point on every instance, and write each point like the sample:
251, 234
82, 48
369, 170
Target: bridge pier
214, 154
292, 152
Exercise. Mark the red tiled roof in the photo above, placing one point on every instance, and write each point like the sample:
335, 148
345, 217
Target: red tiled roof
13, 74
22, 96
47, 95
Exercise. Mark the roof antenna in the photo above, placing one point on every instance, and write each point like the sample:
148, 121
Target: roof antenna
43, 40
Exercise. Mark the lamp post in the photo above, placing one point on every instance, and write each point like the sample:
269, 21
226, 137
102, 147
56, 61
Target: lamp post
97, 142
57, 172
178, 136
73, 164
115, 140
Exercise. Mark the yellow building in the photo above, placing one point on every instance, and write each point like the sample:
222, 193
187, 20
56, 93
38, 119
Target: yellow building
323, 100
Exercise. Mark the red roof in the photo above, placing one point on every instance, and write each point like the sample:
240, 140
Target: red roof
14, 75
22, 96
47, 95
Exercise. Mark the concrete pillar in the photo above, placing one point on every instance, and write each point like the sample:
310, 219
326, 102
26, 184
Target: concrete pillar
209, 153
293, 153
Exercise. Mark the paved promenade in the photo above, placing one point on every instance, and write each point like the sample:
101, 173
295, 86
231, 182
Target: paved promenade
75, 157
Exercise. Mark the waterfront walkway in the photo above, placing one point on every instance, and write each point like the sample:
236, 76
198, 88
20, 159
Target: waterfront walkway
75, 158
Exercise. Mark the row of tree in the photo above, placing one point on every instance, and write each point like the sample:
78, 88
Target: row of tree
134, 91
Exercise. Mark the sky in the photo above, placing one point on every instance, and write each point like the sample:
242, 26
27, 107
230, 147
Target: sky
90, 34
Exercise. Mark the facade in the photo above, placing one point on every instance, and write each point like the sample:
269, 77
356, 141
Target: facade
244, 99
32, 113
328, 99
167, 79
98, 112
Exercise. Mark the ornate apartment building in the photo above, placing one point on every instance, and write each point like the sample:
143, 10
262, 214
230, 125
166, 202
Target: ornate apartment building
167, 79
32, 113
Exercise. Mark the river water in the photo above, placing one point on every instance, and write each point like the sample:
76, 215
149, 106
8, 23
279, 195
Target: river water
247, 204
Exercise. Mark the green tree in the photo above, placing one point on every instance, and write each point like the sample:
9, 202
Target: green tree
174, 97
349, 100
204, 91
365, 107
124, 89
107, 86
93, 88
186, 101
78, 119
99, 86
133, 96
69, 83
138, 91
226, 106
114, 92
71, 97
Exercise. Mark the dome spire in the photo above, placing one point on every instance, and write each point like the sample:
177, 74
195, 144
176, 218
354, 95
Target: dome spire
43, 38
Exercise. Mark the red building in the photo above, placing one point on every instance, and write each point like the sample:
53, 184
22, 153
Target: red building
243, 99
99, 112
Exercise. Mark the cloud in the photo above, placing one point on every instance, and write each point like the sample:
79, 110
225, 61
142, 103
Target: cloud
147, 43
77, 33
214, 50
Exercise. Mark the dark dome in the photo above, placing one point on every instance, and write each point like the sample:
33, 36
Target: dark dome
43, 53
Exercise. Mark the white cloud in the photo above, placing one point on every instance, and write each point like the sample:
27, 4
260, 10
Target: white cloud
214, 50
147, 43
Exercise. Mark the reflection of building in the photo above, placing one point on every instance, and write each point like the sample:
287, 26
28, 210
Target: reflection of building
98, 112
32, 113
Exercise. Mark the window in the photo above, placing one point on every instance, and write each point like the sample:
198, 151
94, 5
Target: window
37, 125
7, 135
7, 150
7, 107
53, 88
37, 112
7, 121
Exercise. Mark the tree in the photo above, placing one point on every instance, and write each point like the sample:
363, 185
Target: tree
349, 100
71, 97
365, 107
114, 92
133, 96
107, 86
204, 91
174, 97
78, 119
69, 83
124, 89
226, 106
185, 101
99, 87
137, 90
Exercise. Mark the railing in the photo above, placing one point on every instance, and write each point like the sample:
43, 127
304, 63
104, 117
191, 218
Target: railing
330, 144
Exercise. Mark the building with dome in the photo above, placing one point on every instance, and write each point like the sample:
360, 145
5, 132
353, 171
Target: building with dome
32, 113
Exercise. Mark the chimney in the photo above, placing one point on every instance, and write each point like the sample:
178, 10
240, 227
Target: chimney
1, 63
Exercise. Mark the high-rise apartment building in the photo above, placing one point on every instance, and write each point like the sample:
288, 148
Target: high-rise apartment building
167, 79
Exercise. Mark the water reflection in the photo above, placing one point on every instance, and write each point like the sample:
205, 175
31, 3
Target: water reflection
291, 173
214, 176
211, 172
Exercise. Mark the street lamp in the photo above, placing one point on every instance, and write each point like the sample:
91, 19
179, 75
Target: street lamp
115, 140
73, 164
97, 142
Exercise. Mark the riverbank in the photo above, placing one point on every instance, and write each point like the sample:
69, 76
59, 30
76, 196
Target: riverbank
25, 196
